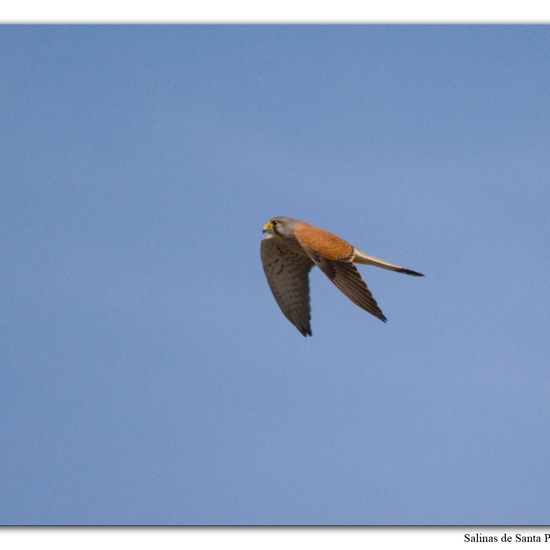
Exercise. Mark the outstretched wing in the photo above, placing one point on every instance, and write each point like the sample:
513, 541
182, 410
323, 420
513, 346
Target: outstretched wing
347, 278
287, 273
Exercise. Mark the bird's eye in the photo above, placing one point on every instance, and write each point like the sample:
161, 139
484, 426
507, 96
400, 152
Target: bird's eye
274, 222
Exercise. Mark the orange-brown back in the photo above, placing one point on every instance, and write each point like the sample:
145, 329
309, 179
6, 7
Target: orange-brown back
327, 244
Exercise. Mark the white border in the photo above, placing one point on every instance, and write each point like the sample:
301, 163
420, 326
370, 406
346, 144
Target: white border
354, 538
282, 11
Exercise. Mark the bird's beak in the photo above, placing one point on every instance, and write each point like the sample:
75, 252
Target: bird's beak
268, 227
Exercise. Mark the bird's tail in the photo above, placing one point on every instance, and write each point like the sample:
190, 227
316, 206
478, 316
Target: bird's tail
362, 258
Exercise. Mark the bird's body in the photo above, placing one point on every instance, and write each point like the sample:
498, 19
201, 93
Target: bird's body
289, 251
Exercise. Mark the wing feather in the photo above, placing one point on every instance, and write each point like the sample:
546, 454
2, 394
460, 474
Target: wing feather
347, 278
287, 272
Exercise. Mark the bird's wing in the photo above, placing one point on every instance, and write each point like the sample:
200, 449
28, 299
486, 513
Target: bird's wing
287, 273
347, 278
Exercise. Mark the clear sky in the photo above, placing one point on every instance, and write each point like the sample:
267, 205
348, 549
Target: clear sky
147, 374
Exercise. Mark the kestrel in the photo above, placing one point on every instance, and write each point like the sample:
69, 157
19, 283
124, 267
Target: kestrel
292, 247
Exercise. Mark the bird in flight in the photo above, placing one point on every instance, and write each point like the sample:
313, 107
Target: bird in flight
292, 247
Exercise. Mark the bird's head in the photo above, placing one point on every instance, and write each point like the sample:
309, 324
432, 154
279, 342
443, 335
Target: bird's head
281, 226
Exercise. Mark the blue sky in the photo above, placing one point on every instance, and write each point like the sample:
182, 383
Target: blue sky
147, 373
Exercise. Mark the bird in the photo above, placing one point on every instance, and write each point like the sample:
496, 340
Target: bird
291, 248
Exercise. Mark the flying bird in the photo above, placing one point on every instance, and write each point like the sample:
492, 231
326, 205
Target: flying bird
289, 251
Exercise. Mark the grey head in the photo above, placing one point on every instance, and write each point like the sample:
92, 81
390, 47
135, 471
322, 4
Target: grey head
282, 226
